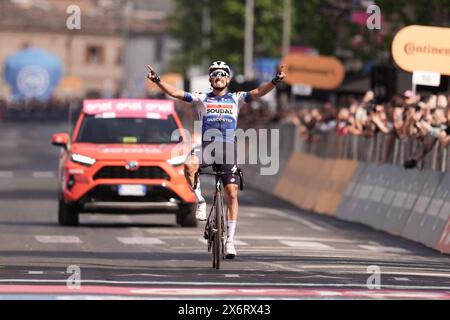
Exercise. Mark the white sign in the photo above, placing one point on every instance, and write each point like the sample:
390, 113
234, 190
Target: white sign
301, 90
425, 78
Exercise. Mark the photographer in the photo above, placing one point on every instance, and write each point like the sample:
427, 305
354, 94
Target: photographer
375, 120
426, 124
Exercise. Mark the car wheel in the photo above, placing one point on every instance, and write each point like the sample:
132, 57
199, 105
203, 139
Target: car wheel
186, 216
68, 214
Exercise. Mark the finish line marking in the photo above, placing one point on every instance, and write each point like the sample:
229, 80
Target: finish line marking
93, 291
247, 284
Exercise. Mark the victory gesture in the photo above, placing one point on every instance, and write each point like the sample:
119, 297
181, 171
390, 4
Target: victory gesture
152, 75
279, 76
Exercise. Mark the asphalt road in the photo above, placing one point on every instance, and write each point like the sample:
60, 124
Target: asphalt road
283, 252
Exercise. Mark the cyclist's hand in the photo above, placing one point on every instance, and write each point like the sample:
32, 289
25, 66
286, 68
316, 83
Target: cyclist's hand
280, 74
152, 75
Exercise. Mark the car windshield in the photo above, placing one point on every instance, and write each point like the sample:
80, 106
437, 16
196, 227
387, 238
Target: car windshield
127, 130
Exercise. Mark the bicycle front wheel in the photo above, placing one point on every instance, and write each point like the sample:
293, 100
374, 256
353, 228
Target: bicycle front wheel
217, 239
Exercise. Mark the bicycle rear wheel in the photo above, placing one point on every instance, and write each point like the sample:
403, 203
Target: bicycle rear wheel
217, 238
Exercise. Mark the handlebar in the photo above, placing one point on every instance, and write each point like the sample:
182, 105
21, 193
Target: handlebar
220, 173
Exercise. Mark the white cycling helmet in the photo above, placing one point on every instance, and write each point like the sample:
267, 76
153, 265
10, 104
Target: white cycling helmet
219, 65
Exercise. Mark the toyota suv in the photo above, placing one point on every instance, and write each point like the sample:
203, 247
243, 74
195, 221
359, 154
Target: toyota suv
124, 156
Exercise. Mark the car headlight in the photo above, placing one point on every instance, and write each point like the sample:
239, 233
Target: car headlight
177, 161
81, 159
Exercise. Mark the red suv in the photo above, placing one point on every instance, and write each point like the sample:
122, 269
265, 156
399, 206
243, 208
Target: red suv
122, 157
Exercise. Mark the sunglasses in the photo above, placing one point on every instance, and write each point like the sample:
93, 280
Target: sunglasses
218, 73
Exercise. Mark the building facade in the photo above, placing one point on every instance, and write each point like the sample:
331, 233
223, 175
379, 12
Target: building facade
106, 57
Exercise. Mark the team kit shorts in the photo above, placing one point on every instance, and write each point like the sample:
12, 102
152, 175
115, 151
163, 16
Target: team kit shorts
224, 155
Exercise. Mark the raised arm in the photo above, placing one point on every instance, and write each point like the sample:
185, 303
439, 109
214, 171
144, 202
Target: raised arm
267, 87
164, 86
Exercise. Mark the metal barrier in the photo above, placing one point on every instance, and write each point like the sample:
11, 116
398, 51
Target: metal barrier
379, 148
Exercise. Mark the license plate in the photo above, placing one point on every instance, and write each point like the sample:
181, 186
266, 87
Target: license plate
138, 190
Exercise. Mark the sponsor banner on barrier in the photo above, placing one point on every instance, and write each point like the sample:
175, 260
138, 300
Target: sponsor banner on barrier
347, 169
326, 196
432, 223
406, 193
444, 241
382, 195
306, 173
332, 192
365, 187
428, 182
349, 198
321, 180
290, 186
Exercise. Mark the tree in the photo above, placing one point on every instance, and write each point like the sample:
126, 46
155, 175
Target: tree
321, 24
227, 31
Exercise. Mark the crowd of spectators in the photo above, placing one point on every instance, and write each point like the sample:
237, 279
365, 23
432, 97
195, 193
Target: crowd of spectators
53, 110
425, 118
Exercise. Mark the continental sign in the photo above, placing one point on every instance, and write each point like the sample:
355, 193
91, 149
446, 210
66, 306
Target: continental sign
420, 48
319, 72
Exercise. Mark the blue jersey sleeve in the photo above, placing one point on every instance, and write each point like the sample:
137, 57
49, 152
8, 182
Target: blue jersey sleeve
192, 97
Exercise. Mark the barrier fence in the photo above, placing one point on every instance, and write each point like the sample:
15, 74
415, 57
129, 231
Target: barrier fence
380, 148
360, 179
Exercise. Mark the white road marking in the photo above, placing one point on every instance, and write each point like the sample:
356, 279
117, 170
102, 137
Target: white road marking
423, 274
279, 213
401, 279
383, 249
307, 245
266, 237
327, 266
277, 266
140, 240
236, 242
232, 276
58, 239
6, 174
43, 174
143, 275
35, 272
240, 242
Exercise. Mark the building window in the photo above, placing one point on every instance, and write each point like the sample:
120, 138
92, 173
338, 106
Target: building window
95, 54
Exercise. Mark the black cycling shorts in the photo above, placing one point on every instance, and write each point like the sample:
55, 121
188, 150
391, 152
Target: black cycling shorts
224, 155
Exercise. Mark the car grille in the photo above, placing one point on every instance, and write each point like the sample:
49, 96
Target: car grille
120, 172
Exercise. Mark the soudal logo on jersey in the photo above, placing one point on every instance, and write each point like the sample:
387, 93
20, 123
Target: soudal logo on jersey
220, 111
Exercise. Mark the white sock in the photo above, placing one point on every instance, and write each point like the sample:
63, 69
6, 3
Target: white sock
198, 193
231, 229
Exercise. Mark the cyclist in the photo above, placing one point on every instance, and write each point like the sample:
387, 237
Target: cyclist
218, 111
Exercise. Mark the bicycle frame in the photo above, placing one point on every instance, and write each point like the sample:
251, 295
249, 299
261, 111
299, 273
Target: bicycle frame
214, 229
215, 234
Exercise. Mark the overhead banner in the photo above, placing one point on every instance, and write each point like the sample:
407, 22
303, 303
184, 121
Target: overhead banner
319, 72
421, 48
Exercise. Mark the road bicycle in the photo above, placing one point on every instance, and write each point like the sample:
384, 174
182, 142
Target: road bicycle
215, 226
